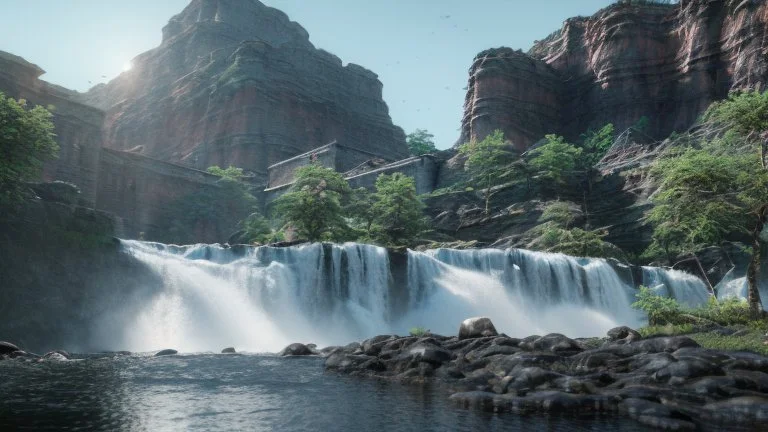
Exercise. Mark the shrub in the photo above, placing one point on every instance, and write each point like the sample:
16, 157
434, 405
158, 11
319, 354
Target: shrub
418, 331
660, 310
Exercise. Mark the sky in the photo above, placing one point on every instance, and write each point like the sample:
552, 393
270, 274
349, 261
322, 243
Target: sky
421, 49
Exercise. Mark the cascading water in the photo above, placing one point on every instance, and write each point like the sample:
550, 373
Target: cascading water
263, 298
687, 289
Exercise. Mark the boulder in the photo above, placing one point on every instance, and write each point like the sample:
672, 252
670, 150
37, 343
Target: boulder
229, 350
477, 327
166, 352
623, 333
7, 348
55, 356
57, 191
296, 349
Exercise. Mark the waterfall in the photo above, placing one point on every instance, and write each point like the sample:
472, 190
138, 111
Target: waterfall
687, 289
260, 299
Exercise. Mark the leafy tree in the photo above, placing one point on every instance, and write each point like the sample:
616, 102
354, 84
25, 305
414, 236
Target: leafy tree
313, 205
558, 212
26, 142
596, 144
361, 208
257, 229
231, 173
555, 159
660, 310
420, 142
488, 162
399, 213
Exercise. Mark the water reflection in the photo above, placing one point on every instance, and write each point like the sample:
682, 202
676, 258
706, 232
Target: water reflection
236, 392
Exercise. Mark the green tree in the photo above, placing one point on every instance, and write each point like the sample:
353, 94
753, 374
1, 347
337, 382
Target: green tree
363, 213
313, 204
488, 162
257, 229
596, 144
555, 159
231, 173
420, 142
399, 213
27, 140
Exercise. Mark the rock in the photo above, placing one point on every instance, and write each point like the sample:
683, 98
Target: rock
57, 191
55, 356
623, 333
655, 415
296, 349
229, 350
7, 348
253, 54
555, 343
374, 345
166, 352
477, 327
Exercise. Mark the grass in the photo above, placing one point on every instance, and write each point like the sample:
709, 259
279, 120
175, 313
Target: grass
751, 337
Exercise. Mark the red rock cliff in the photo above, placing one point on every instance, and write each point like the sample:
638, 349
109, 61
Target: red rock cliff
236, 82
664, 62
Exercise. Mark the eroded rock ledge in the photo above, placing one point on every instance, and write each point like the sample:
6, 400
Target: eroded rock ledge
663, 382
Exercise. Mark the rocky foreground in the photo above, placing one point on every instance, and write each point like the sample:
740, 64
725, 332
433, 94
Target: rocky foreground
663, 382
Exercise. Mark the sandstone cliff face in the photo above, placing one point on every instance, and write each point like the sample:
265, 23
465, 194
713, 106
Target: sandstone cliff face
664, 62
78, 126
236, 82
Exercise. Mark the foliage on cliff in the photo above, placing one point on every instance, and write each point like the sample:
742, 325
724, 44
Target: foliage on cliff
420, 142
399, 213
313, 205
26, 142
489, 162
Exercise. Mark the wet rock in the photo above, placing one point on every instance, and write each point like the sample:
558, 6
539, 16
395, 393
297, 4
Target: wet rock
296, 349
623, 333
374, 345
477, 327
229, 350
55, 356
7, 348
353, 363
654, 414
740, 409
166, 352
555, 343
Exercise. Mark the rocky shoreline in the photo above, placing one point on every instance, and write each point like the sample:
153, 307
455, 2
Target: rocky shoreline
664, 382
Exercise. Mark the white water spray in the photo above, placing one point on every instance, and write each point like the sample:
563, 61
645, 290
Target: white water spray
261, 299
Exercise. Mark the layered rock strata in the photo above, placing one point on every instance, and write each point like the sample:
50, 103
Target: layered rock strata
663, 62
236, 82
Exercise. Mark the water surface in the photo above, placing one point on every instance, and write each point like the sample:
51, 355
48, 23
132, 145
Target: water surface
239, 392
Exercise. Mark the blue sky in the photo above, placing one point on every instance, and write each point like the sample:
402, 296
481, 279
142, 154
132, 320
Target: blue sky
421, 49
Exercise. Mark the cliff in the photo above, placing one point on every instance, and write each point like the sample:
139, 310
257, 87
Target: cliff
236, 82
78, 126
663, 62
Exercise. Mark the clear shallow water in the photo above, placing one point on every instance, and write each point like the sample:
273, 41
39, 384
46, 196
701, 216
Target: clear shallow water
239, 392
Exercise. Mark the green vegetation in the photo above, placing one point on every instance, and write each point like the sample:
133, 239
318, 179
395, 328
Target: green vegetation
231, 173
717, 188
398, 212
660, 310
555, 159
26, 142
488, 162
420, 142
595, 144
313, 205
418, 331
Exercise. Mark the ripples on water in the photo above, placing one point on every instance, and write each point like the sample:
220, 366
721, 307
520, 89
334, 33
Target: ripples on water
238, 392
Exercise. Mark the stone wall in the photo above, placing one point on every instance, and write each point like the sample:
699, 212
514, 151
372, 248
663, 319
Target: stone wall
423, 169
141, 191
78, 126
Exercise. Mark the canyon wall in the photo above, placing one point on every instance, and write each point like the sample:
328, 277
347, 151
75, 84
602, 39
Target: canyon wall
663, 62
78, 126
236, 82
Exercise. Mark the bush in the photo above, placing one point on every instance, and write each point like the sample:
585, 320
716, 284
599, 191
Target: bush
418, 331
660, 310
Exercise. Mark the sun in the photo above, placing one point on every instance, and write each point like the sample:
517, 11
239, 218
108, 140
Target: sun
127, 66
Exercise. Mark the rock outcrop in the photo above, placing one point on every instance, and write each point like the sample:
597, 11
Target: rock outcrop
663, 62
236, 82
664, 382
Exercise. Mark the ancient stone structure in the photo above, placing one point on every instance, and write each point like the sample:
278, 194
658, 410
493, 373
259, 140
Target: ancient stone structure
78, 126
663, 62
236, 82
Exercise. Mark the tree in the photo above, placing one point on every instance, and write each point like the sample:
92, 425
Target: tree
231, 173
399, 214
362, 211
27, 140
488, 162
420, 142
257, 229
596, 144
555, 159
313, 204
